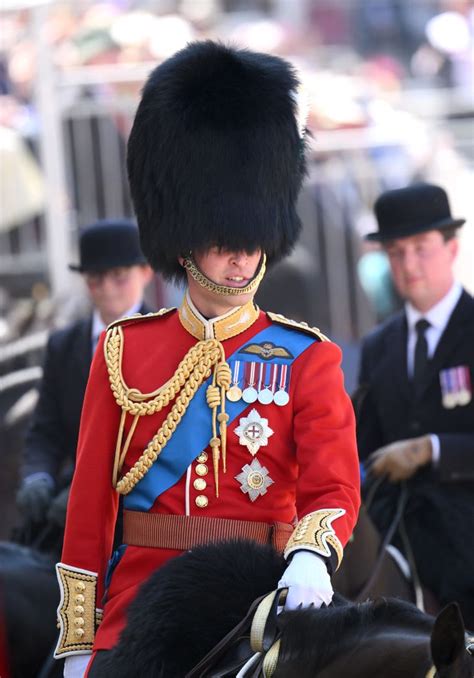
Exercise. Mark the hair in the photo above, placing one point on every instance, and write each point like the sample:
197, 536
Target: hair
449, 233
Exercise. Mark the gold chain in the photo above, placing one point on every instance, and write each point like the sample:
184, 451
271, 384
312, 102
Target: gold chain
208, 284
192, 371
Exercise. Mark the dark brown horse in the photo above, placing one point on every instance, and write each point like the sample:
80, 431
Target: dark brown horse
191, 603
368, 569
29, 597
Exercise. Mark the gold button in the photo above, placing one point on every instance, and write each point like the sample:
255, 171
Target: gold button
203, 457
78, 621
79, 609
200, 484
79, 586
79, 599
201, 470
79, 633
202, 501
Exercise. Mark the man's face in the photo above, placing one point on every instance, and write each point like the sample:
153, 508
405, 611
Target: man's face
115, 291
233, 269
422, 267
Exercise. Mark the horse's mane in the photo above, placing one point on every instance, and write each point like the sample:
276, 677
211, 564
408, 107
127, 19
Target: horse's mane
314, 636
189, 604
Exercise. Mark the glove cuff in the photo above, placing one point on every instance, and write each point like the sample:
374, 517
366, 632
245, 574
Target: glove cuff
315, 533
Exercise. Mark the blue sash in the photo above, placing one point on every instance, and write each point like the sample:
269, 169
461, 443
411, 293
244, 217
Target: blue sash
195, 428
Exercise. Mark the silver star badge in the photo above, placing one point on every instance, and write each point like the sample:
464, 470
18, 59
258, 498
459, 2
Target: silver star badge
254, 479
253, 432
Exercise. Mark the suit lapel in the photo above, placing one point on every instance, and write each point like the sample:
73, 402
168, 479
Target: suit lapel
83, 349
452, 336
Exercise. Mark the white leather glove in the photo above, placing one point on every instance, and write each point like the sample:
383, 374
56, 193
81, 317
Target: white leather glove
75, 666
307, 580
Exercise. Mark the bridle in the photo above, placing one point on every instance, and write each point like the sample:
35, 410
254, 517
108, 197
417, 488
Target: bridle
401, 503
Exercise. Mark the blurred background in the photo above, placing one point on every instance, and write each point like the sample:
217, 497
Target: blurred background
391, 101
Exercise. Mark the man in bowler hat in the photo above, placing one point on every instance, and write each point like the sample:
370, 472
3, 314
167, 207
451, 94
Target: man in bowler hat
415, 406
116, 274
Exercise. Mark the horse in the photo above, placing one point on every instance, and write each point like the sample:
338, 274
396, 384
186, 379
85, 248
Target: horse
190, 604
28, 600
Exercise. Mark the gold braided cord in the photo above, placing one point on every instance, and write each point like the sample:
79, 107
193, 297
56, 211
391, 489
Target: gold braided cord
190, 265
193, 370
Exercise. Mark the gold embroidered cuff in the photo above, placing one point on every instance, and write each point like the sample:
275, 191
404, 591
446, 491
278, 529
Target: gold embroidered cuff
77, 614
315, 533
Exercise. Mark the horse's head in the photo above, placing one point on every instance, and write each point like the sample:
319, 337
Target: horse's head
387, 638
451, 649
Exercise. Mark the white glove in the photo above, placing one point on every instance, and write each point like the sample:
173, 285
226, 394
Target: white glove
75, 665
307, 580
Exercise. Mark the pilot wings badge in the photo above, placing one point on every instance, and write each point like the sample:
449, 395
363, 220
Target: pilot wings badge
267, 350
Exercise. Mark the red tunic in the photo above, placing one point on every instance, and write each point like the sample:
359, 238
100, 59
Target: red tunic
311, 457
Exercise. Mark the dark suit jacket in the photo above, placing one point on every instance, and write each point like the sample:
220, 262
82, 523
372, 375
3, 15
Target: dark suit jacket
51, 440
388, 410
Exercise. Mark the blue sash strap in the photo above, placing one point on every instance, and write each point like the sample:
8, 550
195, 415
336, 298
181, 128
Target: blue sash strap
195, 428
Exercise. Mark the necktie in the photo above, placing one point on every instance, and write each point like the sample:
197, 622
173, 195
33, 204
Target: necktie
421, 354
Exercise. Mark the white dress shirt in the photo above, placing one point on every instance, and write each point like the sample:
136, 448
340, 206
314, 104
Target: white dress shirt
98, 325
438, 316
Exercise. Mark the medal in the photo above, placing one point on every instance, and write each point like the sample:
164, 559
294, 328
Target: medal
449, 401
253, 432
265, 396
250, 394
254, 480
455, 386
281, 397
234, 393
464, 394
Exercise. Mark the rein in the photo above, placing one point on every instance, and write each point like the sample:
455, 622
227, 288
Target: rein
401, 503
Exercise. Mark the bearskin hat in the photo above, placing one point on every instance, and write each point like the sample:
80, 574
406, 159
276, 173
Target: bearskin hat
216, 156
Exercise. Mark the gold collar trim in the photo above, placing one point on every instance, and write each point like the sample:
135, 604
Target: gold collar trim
222, 327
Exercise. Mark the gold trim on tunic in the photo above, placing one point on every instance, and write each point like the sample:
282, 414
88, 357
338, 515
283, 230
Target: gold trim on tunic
221, 328
315, 533
77, 614
279, 319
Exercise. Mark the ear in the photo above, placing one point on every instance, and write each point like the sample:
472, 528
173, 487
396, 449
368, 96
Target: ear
454, 247
447, 637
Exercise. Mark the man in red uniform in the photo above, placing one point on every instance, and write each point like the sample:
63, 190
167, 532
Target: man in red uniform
215, 420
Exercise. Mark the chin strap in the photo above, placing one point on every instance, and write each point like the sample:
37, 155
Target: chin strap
190, 265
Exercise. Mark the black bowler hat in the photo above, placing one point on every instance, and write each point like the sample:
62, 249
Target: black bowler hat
108, 244
412, 210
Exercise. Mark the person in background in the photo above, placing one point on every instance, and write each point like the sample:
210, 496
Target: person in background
415, 408
116, 275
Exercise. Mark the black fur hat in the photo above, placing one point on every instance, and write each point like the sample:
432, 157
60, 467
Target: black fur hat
215, 156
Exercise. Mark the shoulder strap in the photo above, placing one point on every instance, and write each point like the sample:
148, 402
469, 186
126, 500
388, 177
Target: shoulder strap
302, 327
136, 317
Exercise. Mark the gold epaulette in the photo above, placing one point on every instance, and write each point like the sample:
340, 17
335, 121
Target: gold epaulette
140, 316
302, 327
